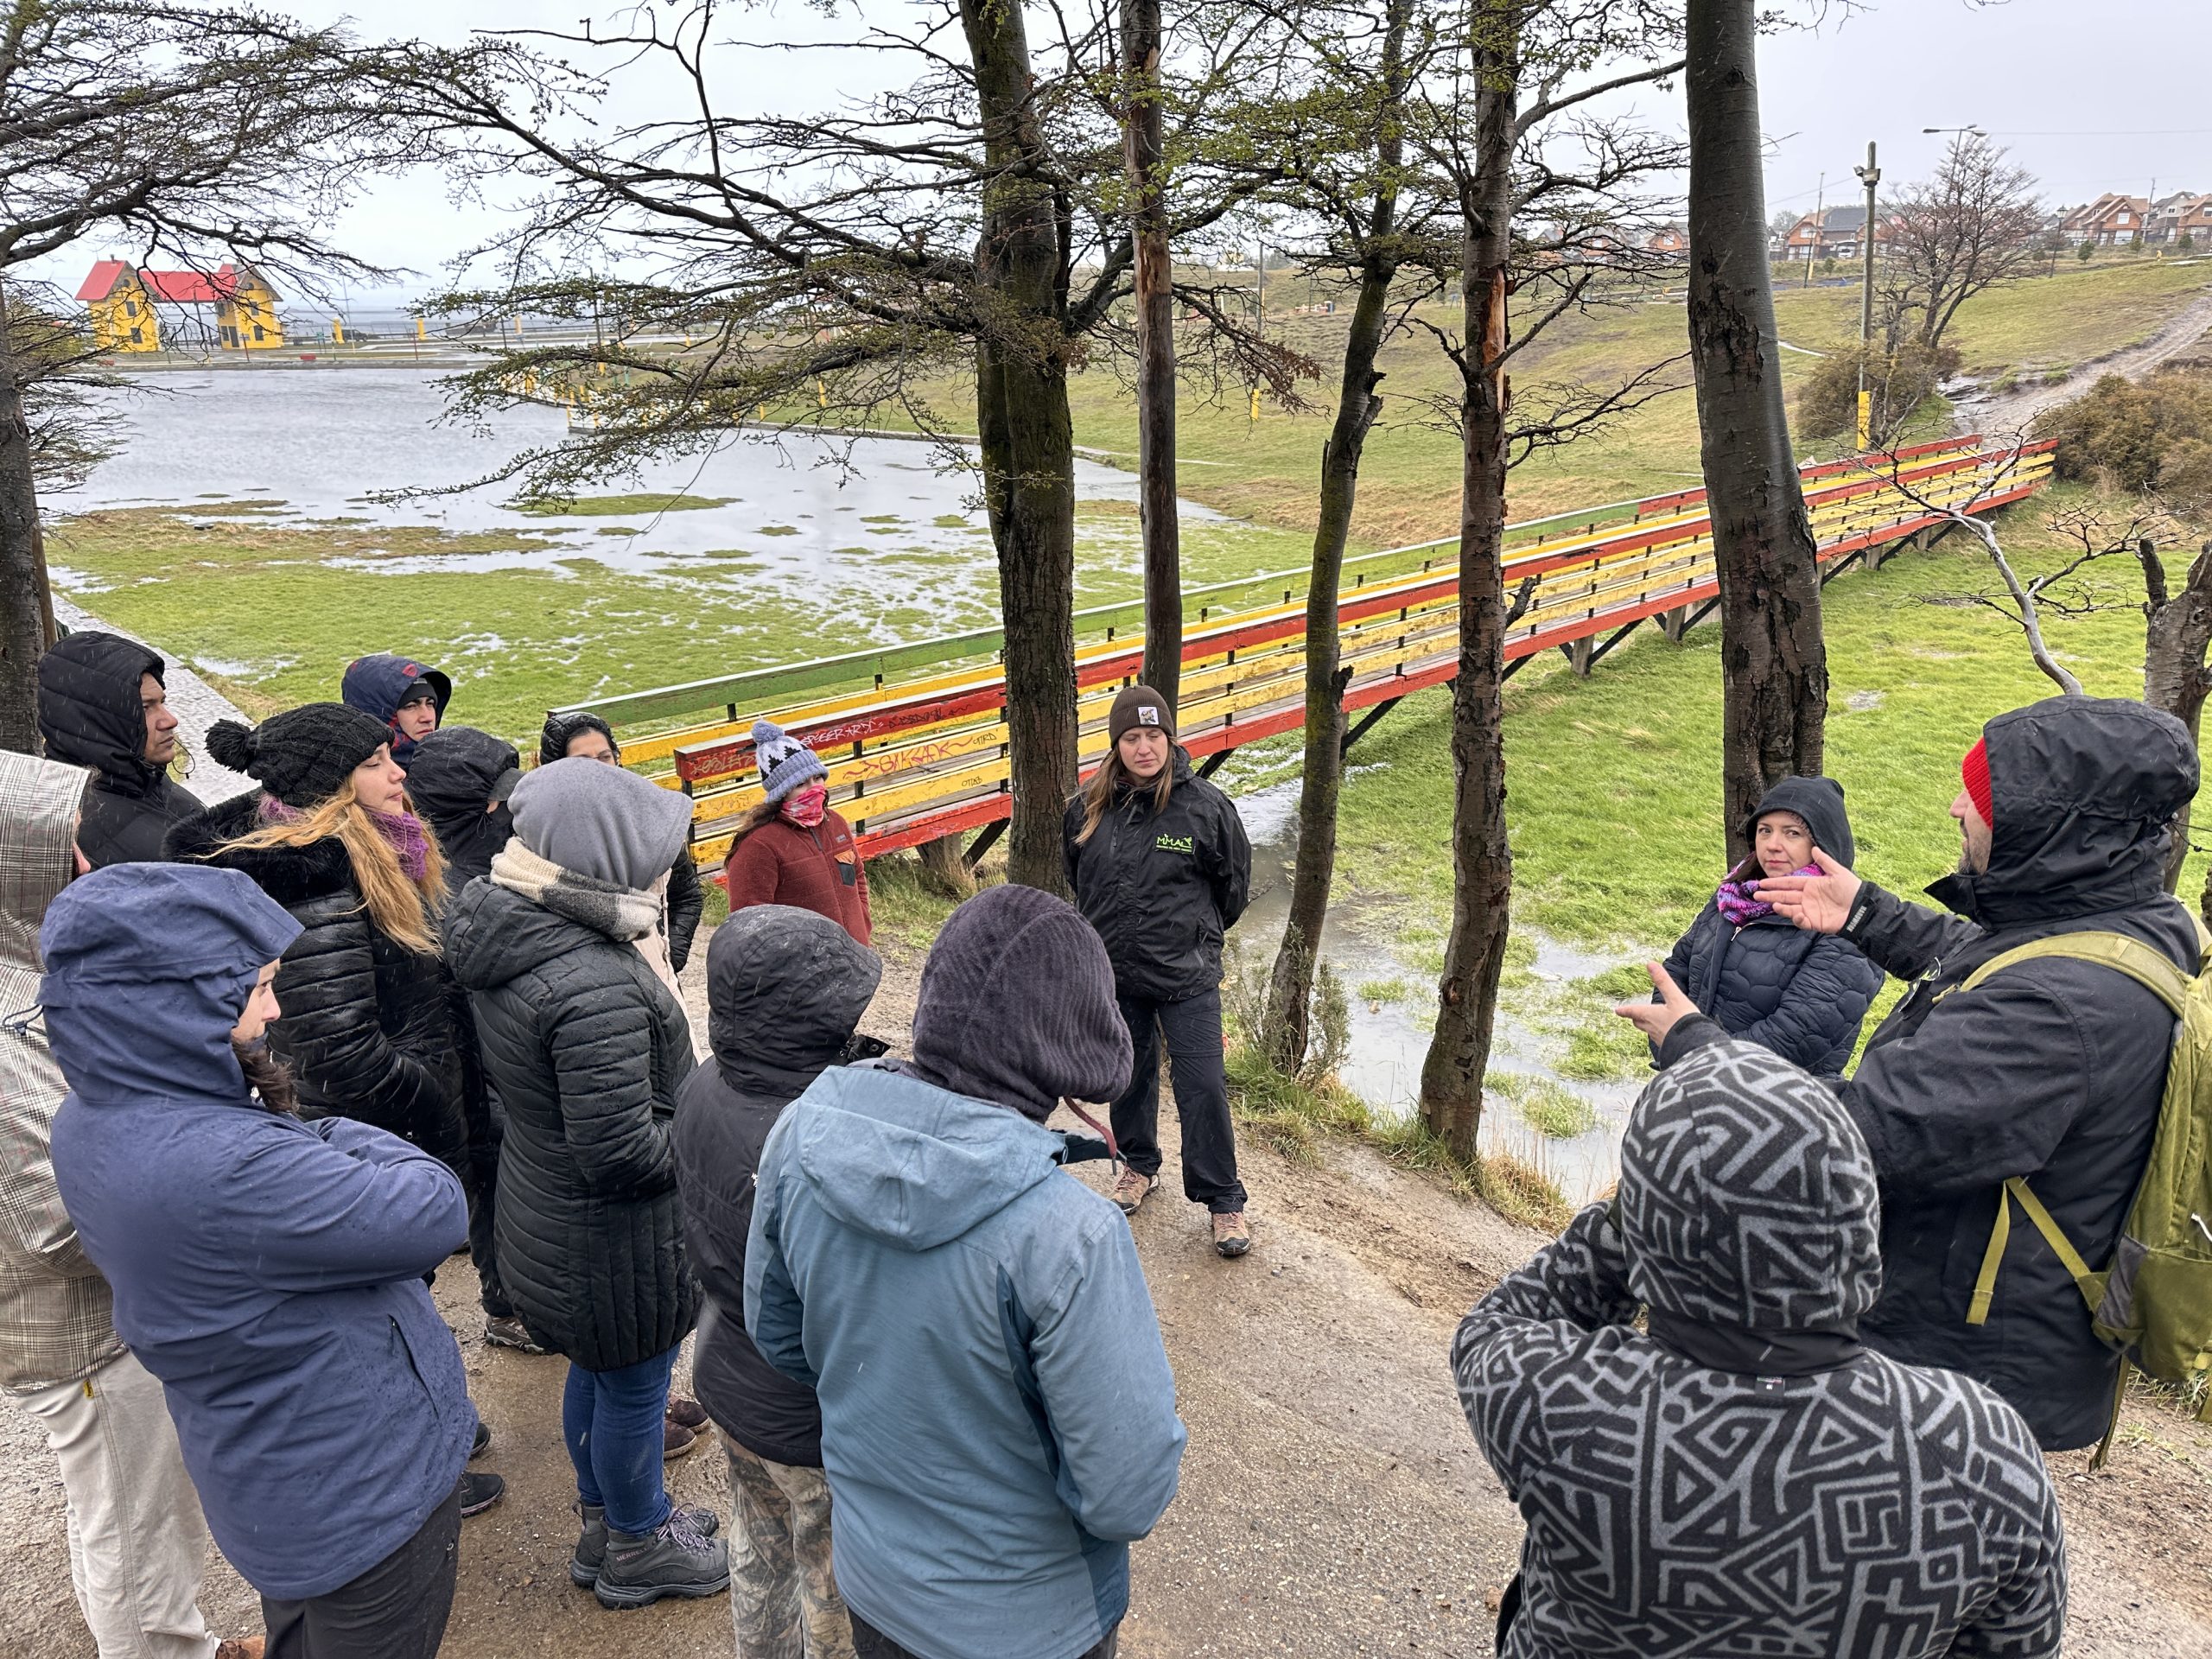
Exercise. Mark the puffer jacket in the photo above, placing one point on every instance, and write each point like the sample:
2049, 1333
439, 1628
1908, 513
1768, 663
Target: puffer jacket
1802, 995
785, 989
1161, 888
368, 1024
1746, 1477
587, 1050
268, 1271
89, 715
449, 779
998, 1415
2053, 1070
56, 1317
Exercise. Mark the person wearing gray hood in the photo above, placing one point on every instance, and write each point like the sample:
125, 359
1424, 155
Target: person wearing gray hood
998, 1417
587, 1049
1744, 1476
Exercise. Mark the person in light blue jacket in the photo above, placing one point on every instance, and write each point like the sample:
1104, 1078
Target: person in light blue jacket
998, 1417
268, 1271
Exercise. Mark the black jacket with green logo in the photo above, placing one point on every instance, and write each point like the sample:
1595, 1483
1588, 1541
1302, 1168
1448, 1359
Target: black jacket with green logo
1162, 887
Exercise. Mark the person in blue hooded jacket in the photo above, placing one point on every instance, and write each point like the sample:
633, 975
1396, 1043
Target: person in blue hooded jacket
409, 699
267, 1270
998, 1417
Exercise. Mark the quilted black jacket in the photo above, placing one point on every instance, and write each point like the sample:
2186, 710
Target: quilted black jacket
367, 1025
586, 1049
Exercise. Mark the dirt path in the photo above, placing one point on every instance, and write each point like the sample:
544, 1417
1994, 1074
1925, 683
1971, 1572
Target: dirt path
2001, 413
1332, 1501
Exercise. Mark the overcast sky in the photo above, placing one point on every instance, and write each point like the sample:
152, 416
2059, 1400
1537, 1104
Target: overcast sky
2088, 95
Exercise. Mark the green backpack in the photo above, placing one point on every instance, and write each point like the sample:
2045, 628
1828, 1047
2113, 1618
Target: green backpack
2154, 1302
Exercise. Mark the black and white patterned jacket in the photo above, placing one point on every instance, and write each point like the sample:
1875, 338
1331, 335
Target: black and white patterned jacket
1746, 1479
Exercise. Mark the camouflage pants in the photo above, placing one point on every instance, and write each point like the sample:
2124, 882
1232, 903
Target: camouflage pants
783, 1596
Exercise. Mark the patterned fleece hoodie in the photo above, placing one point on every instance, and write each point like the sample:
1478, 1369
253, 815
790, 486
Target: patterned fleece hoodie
1746, 1479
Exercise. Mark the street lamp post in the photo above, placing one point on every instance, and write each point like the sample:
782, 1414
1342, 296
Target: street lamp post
1870, 176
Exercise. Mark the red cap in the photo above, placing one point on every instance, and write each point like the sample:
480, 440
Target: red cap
1974, 769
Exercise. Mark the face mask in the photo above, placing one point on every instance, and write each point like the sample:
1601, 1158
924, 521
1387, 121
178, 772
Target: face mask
806, 807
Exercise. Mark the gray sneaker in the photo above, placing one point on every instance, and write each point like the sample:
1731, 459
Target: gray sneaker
589, 1559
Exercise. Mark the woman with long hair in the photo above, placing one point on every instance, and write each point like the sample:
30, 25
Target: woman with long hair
792, 847
1158, 864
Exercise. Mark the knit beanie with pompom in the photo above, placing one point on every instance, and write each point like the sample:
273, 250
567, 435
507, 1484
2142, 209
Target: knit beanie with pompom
786, 762
303, 756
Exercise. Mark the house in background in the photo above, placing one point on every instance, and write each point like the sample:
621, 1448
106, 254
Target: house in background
232, 309
2185, 212
1667, 239
2112, 220
1829, 233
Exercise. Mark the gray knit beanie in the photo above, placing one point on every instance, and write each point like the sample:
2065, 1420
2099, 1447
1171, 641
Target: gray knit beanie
1017, 1006
601, 821
786, 762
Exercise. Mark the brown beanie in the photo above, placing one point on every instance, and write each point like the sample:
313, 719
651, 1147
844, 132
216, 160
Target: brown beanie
1017, 1006
1139, 705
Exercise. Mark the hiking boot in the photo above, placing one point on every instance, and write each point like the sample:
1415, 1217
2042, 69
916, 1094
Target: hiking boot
481, 1444
1231, 1237
678, 1557
675, 1441
240, 1647
591, 1545
510, 1332
1129, 1190
686, 1413
480, 1492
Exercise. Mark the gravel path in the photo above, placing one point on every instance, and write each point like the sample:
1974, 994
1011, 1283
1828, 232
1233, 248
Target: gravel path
2000, 414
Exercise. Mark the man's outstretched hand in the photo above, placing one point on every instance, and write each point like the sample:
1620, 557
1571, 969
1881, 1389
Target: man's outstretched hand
1656, 1020
1819, 904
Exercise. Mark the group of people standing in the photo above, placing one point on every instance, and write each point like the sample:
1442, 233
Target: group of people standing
406, 997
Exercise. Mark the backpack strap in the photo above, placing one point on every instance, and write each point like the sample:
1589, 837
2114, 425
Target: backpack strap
2148, 967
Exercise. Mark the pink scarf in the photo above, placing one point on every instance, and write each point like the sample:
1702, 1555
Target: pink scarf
402, 832
806, 807
1738, 903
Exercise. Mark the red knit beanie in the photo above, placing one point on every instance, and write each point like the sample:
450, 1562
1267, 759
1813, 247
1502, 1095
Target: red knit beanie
1974, 769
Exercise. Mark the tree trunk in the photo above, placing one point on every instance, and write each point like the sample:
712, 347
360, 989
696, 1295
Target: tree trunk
944, 871
1144, 154
2174, 635
1021, 414
1481, 861
1773, 665
25, 610
1290, 986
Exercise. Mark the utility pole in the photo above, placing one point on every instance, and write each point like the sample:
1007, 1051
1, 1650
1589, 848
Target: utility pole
1871, 175
1820, 219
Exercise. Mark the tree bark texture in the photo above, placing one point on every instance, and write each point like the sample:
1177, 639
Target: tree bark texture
1481, 861
1290, 986
2176, 630
1144, 153
1028, 449
1774, 665
25, 610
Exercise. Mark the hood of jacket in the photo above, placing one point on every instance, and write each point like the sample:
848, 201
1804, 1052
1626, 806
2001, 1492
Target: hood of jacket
493, 935
1747, 1196
450, 778
148, 967
601, 820
290, 875
905, 1161
377, 685
90, 712
1819, 801
785, 989
2084, 791
39, 802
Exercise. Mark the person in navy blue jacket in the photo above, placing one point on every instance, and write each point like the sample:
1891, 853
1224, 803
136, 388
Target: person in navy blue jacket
1802, 995
267, 1270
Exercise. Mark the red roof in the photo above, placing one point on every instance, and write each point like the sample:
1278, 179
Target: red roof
171, 287
104, 275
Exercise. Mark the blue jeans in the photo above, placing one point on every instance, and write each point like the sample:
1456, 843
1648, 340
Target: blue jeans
613, 1423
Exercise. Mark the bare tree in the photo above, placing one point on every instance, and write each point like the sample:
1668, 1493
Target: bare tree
1483, 139
1972, 227
836, 268
1773, 662
196, 131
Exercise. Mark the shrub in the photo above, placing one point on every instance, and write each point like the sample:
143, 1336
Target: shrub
1827, 401
2127, 430
2086, 252
2185, 243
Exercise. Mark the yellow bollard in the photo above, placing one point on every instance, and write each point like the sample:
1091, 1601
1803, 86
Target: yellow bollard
1256, 406
1865, 421
821, 395
419, 334
338, 331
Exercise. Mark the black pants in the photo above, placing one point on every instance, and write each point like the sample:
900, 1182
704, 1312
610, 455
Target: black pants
869, 1642
488, 1127
396, 1610
1192, 1029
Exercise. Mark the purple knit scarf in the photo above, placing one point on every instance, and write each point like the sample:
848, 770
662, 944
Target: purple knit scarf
1738, 903
402, 832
